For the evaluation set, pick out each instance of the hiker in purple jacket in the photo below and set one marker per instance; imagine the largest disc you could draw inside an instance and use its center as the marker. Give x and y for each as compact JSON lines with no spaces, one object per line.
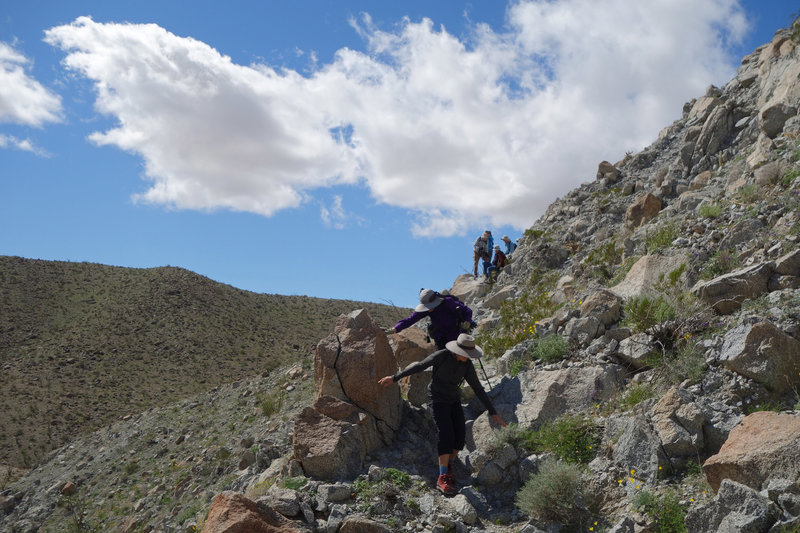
{"x":449,"y":317}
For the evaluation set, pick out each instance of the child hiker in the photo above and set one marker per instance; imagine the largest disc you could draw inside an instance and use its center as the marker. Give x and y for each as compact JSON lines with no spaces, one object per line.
{"x":450,"y":367}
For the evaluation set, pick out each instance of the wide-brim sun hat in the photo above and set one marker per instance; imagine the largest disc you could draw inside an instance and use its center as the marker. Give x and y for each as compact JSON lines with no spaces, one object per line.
{"x":465,"y":345}
{"x":428,"y":299}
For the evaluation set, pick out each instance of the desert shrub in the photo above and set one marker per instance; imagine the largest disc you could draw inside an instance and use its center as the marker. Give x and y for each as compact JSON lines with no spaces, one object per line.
{"x":270,"y":403}
{"x":710,"y":210}
{"x":789,"y":177}
{"x":748,"y":194}
{"x":666,"y":510}
{"x":661,"y":238}
{"x":604,"y":260}
{"x":635,"y":395}
{"x":549,"y":349}
{"x":687,"y":361}
{"x":573,"y":438}
{"x":552,"y":494}
{"x":721,"y":262}
{"x":643,"y":312}
{"x":518,"y":316}
{"x":294,"y":483}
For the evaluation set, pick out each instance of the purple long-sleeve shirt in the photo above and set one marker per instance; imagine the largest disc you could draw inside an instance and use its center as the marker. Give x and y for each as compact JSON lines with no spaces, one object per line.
{"x":446,"y":319}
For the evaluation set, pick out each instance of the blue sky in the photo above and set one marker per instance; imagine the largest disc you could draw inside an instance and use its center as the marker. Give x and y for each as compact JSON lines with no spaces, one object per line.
{"x":345,"y":149}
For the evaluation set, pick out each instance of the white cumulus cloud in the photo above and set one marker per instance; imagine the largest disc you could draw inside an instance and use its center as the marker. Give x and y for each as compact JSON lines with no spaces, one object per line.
{"x":461,"y":133}
{"x":23,"y":100}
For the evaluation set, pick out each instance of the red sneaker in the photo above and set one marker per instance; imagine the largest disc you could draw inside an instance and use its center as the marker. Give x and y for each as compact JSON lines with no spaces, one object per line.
{"x":446,"y":484}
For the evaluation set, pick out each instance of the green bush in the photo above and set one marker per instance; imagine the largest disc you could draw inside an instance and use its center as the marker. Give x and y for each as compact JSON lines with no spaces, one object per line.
{"x":635,"y":395}
{"x":722,"y":262}
{"x":552,"y":494}
{"x":294,"y":483}
{"x":644,"y":312}
{"x":748,"y":194}
{"x":604,"y":259}
{"x":789,"y":177}
{"x":661,"y":238}
{"x":710,"y":210}
{"x":270,"y":403}
{"x":518,"y":316}
{"x":666,"y":510}
{"x":549,"y":349}
{"x":573,"y":438}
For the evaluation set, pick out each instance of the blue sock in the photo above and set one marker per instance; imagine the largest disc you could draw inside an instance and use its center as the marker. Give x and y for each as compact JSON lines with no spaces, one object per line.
{"x":442,"y":469}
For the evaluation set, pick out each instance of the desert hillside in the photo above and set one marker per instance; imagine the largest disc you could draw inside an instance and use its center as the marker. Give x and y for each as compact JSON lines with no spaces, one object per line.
{"x":82,"y":344}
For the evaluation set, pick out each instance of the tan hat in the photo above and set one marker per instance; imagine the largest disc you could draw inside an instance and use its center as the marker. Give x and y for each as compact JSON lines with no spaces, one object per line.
{"x":505,"y":238}
{"x":465,"y":345}
{"x":428,"y":299}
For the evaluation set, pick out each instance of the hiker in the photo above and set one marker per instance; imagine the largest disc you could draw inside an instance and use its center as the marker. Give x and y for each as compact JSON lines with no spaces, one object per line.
{"x":450,"y":367}
{"x":498,"y":262}
{"x":449,"y":317}
{"x":510,"y":245}
{"x":489,"y":238}
{"x":480,"y":250}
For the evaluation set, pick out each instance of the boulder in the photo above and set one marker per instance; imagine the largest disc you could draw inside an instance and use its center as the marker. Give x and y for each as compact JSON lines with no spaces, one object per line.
{"x":736,"y":507}
{"x":232,"y":512}
{"x":789,"y":264}
{"x":607,"y":171}
{"x":603,"y":305}
{"x":763,"y":353}
{"x":467,"y":288}
{"x":583,"y":330}
{"x":762,"y":446}
{"x":773,"y":117}
{"x":716,"y":130}
{"x":743,"y":231}
{"x":644,"y":209}
{"x":494,"y":301}
{"x":636,"y":350}
{"x":326,"y":448}
{"x":646,"y":272}
{"x":636,"y":446}
{"x":359,"y":524}
{"x":350,"y":361}
{"x":703,"y":107}
{"x":412,"y":345}
{"x":679,"y":424}
{"x":535,"y":397}
{"x":727,"y":292}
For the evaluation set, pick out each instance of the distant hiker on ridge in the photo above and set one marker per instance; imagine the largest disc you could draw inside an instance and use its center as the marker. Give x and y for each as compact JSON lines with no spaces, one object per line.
{"x":451,"y":366}
{"x":449,"y":317}
{"x":480,"y":250}
{"x":510,"y":245}
{"x":498,"y":262}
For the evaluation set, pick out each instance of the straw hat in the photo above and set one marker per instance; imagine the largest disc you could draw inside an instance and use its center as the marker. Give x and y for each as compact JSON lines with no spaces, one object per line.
{"x":465,"y":345}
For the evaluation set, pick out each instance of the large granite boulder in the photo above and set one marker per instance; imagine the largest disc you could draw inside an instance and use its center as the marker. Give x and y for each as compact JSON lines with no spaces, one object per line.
{"x":763,"y":445}
{"x":644,"y":209}
{"x":352,"y":414}
{"x":232,"y":512}
{"x":736,"y":507}
{"x":350,"y":361}
{"x":763,"y":353}
{"x":727,"y":292}
{"x":679,"y":424}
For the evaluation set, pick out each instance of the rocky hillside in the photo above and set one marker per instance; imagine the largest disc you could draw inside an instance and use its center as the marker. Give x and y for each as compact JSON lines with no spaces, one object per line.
{"x":83,"y":344}
{"x":644,"y":345}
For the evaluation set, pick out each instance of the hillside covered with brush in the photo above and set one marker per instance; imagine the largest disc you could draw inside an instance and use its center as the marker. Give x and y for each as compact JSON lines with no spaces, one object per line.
{"x":82,"y":344}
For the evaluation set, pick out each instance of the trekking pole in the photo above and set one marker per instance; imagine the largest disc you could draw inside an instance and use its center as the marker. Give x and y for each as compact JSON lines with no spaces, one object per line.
{"x":485,"y":375}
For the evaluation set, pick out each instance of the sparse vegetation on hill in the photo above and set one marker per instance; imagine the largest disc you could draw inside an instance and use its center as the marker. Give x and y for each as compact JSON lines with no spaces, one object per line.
{"x":82,"y":344}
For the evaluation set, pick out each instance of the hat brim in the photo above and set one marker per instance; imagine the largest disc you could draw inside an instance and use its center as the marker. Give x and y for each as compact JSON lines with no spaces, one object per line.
{"x":473,"y":353}
{"x":421,"y":308}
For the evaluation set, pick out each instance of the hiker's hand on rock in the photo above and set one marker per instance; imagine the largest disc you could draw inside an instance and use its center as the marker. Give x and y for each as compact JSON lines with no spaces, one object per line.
{"x":499,"y":421}
{"x":386,"y":381}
